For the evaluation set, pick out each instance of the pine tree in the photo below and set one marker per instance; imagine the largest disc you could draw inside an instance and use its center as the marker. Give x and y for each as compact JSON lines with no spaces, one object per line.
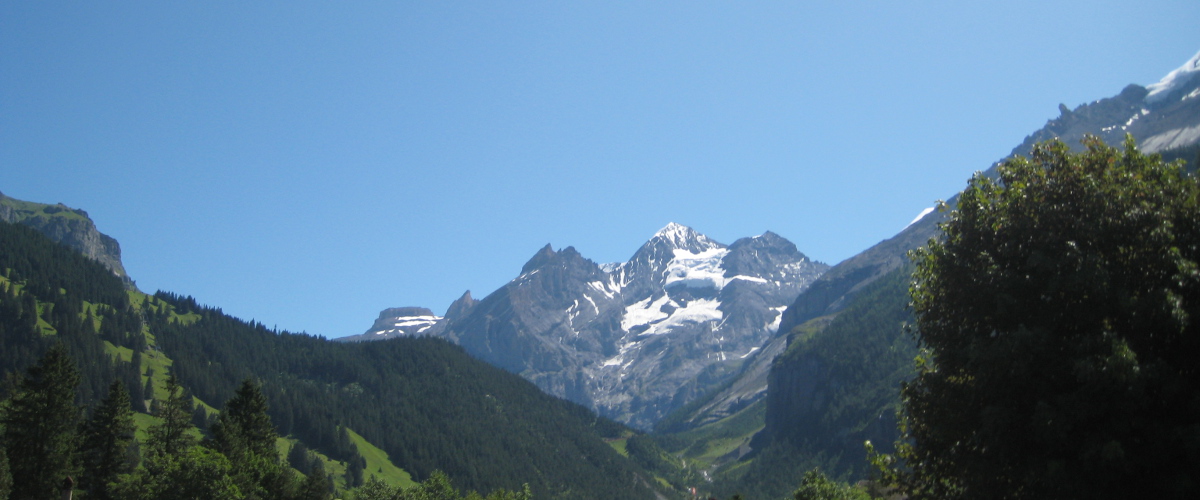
{"x":244,"y":426}
{"x":298,"y":457}
{"x":171,"y":437}
{"x":107,"y":444}
{"x":243,"y":432}
{"x":316,"y":484}
{"x":41,"y":426}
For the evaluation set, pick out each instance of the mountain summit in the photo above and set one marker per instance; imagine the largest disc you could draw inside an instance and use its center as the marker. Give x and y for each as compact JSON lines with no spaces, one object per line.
{"x":638,"y":339}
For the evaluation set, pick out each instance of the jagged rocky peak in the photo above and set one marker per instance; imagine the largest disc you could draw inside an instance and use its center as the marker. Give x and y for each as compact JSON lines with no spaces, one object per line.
{"x":761,"y":255}
{"x":681,"y":237}
{"x":461,"y":307}
{"x":565,"y":258}
{"x":539,"y":259}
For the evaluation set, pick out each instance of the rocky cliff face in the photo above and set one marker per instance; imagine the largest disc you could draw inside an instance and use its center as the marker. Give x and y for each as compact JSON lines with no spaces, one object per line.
{"x":638,"y":339}
{"x":68,"y":226}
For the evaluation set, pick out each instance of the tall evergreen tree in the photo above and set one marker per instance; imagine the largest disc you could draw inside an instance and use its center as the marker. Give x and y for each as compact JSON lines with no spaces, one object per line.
{"x":171,"y":437}
{"x":243,"y":432}
{"x":244,"y":426}
{"x":108,"y":443}
{"x":41,"y":426}
{"x":316,"y":485}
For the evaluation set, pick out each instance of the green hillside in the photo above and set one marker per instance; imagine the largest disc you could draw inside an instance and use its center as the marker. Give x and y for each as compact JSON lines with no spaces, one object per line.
{"x":415,"y":406}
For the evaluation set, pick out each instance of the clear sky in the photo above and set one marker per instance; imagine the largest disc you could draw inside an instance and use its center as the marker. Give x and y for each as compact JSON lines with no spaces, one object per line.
{"x":307,"y":164}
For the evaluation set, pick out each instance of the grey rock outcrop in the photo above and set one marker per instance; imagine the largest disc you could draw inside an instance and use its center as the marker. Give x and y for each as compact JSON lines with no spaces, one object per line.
{"x":69,"y":226}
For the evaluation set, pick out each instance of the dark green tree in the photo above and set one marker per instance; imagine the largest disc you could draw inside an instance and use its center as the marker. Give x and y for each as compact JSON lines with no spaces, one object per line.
{"x":5,"y":476}
{"x":244,"y":426}
{"x":243,"y":432}
{"x":1060,"y":317}
{"x":316,"y":485}
{"x":41,"y":424}
{"x":298,"y":457}
{"x":173,"y":436}
{"x":108,"y":443}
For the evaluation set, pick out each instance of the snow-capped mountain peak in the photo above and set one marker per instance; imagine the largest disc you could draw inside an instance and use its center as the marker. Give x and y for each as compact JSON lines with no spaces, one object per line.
{"x":682,"y":237}
{"x":1174,"y":80}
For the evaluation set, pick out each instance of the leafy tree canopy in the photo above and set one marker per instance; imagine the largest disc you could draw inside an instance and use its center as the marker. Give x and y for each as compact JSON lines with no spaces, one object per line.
{"x":1060,"y":321}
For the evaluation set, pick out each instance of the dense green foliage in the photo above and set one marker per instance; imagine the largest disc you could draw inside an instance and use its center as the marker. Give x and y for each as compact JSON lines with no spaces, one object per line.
{"x":1061,"y":321}
{"x":817,"y":486}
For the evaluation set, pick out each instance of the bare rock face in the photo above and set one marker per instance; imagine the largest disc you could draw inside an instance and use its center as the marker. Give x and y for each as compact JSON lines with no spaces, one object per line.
{"x":638,"y":339}
{"x":68,"y":226}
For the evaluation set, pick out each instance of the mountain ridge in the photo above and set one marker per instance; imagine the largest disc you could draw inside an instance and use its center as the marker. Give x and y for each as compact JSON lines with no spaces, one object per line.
{"x":635,"y":340}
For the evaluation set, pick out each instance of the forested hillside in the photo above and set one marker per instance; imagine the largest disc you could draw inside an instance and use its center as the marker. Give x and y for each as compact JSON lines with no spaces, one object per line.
{"x":424,"y":402}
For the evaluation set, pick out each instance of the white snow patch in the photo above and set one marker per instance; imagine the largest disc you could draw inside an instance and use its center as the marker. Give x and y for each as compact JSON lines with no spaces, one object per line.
{"x":922,"y":215}
{"x":752,"y":351}
{"x":1134,"y":118}
{"x":773,"y":326}
{"x":755,"y":279}
{"x":696,"y":270}
{"x":1191,"y":94}
{"x":594,"y":306}
{"x":415,"y":320}
{"x":423,"y":328}
{"x":573,"y":312}
{"x":644,"y":312}
{"x":605,"y":288}
{"x":619,"y":359}
{"x":1174,"y":80}
{"x":697,"y":311}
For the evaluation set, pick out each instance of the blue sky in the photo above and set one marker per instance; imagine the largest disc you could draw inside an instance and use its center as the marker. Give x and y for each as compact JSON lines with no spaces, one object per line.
{"x":309,"y":164}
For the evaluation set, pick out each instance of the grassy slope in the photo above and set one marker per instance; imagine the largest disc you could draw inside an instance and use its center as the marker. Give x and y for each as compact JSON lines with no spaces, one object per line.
{"x":713,"y":444}
{"x":378,"y":464}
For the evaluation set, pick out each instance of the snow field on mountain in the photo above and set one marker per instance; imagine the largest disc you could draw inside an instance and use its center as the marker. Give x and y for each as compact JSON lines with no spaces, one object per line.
{"x":696,"y":270}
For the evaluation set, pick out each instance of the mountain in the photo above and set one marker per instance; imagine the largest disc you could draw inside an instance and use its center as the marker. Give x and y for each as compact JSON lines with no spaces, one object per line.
{"x":70,"y":226}
{"x":638,"y":339}
{"x":820,"y":408}
{"x":411,"y":321}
